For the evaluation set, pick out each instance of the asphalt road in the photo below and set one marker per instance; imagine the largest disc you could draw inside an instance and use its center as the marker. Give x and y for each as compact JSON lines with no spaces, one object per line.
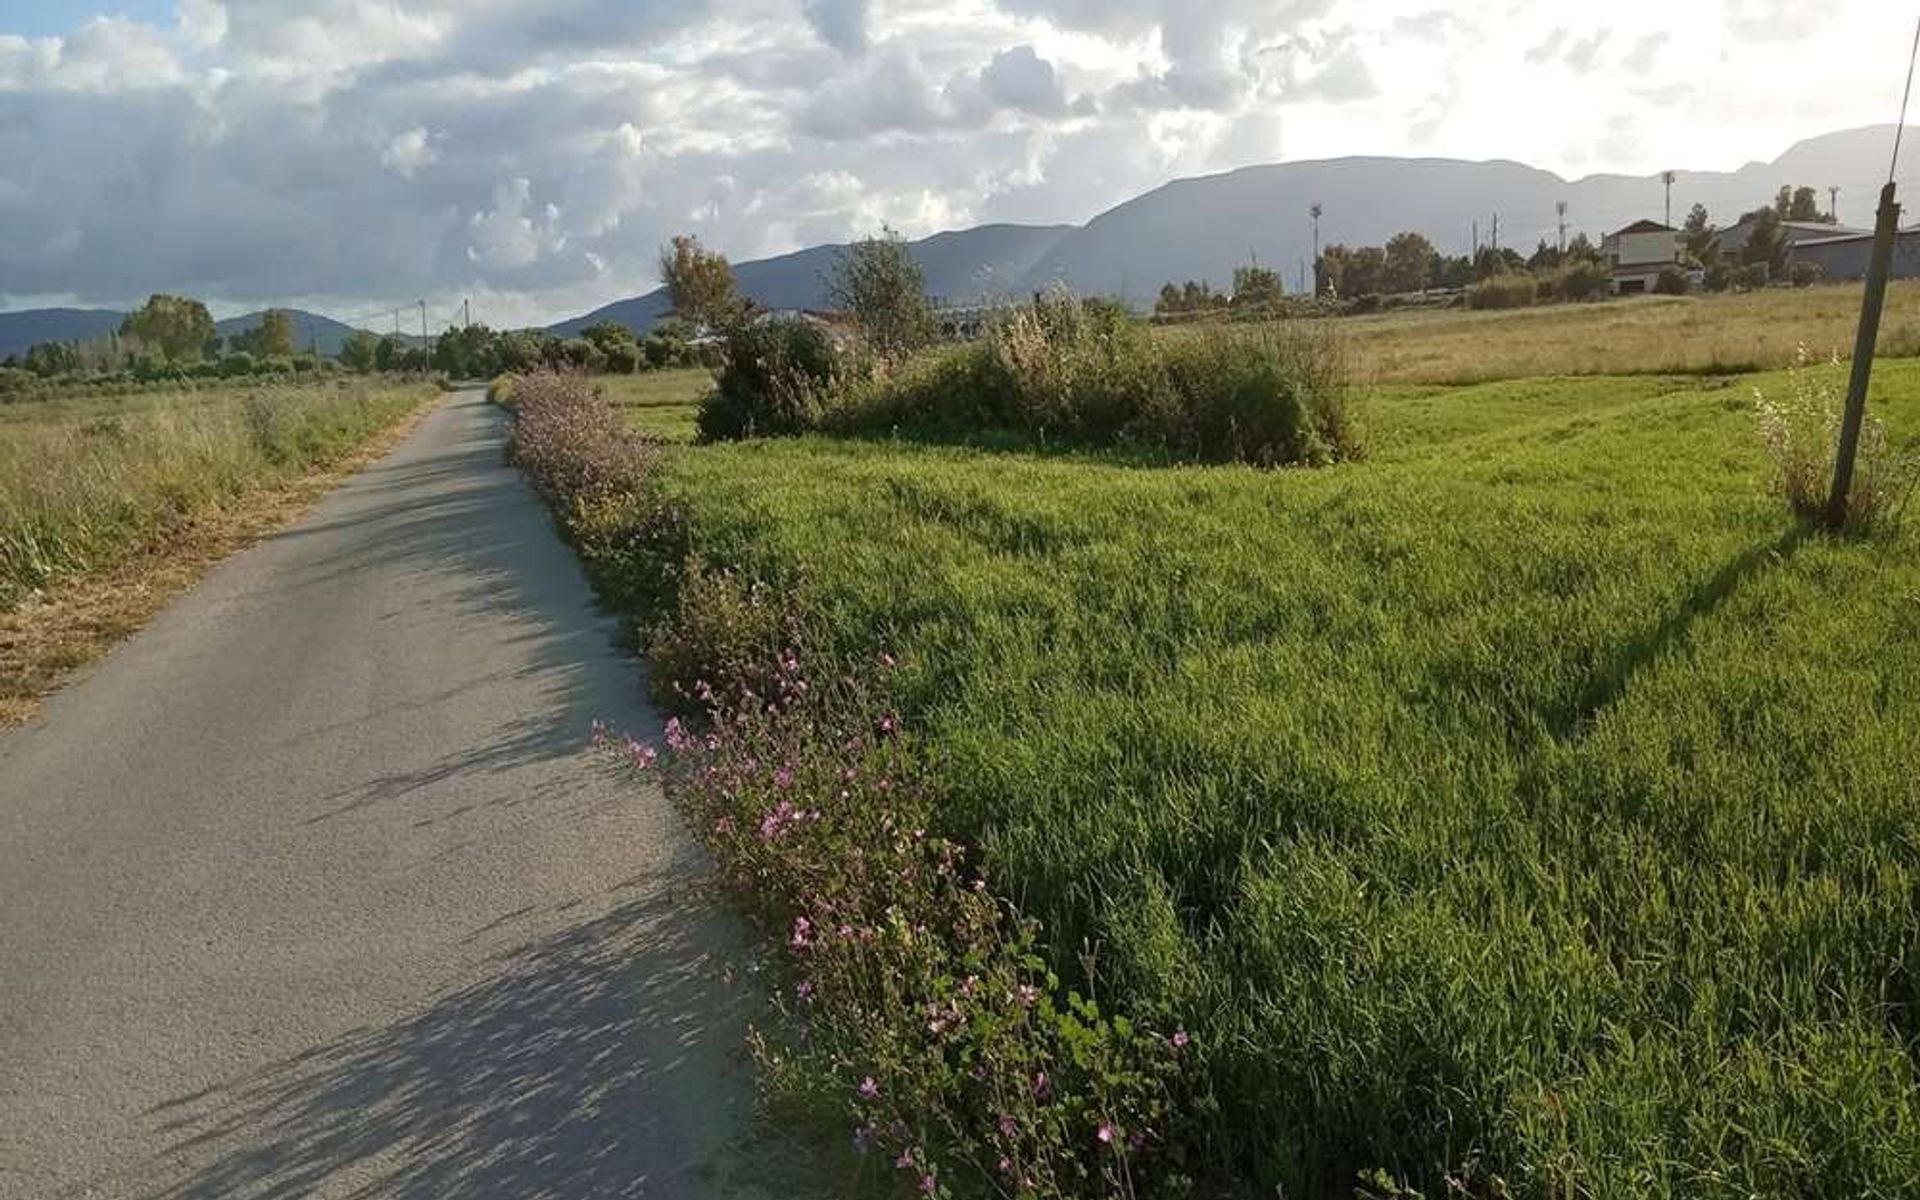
{"x":314,"y":888}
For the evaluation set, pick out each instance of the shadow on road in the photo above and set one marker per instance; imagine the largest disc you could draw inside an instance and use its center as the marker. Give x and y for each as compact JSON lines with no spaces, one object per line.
{"x":581,"y":1067}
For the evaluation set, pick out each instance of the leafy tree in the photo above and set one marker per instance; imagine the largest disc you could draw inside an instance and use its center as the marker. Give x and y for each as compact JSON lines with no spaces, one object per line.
{"x":1544,"y":257}
{"x":1767,"y":243}
{"x":878,"y":282}
{"x":360,"y":351}
{"x":179,"y":327}
{"x":274,"y":336}
{"x":1582,"y":249}
{"x":1452,"y":271}
{"x":47,"y":359}
{"x":1256,"y":287}
{"x":1409,"y":261}
{"x":1490,"y":262}
{"x":1805,"y":206}
{"x":700,"y":281}
{"x":616,"y":345}
{"x":1366,"y":272}
{"x":386,"y":354}
{"x":1330,"y":271}
{"x":1698,"y":233}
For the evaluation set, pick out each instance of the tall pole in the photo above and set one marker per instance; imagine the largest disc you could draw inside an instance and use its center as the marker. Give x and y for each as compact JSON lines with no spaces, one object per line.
{"x":1314,"y":210}
{"x":1833,"y":205}
{"x":1863,"y":345}
{"x":1560,"y":208}
{"x":423,"y":321}
{"x":1666,"y":177}
{"x":1496,"y":233}
{"x":466,"y":313}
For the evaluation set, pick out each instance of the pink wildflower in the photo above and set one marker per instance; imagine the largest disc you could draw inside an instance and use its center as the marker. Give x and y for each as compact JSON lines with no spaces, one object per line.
{"x":1180,"y":1039}
{"x":1105,"y":1133}
{"x":869,"y":1090}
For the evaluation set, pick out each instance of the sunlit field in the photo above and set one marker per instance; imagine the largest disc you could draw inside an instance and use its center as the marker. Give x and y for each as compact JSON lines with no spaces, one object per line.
{"x":1534,"y":793}
{"x":1731,"y":332}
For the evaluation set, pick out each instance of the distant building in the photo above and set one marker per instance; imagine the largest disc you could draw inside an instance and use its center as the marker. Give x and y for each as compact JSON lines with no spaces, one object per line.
{"x":1845,"y":255}
{"x":1732,"y":241}
{"x":1637,"y":254}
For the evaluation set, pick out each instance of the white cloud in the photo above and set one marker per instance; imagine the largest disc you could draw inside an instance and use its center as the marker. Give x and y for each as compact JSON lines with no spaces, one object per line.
{"x":359,"y":152}
{"x":408,"y":152}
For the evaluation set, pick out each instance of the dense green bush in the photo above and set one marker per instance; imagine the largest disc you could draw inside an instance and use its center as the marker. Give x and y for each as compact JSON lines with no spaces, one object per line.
{"x":1087,"y":374}
{"x":1513,"y":290}
{"x":1585,"y":280}
{"x":1805,"y":274}
{"x":233,"y":366}
{"x":776,"y":377}
{"x":1671,"y":281}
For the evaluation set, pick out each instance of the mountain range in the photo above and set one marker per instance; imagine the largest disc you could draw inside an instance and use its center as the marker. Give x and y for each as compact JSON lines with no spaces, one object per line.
{"x":1205,"y":227}
{"x":22,"y":330}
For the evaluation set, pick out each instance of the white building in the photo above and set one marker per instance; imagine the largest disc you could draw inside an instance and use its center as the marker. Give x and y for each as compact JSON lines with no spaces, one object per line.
{"x":1637,"y":254}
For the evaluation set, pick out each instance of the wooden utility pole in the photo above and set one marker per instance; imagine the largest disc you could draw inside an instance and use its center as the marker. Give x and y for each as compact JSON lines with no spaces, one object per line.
{"x":1833,"y":205}
{"x":1863,"y":345}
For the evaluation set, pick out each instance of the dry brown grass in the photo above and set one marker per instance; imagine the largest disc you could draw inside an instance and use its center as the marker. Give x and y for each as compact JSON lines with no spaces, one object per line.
{"x":1653,"y":335}
{"x":59,"y":630}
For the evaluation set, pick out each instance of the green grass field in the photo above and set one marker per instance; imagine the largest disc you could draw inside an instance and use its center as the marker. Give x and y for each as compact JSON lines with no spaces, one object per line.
{"x":661,"y":404}
{"x":1531,"y":794}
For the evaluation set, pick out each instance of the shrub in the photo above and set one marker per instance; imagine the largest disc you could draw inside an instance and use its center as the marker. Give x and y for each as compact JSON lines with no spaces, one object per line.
{"x":1802,"y":432}
{"x":1719,"y":277}
{"x":1586,"y":280}
{"x":1087,"y":374}
{"x":233,"y":366}
{"x":1752,"y":276}
{"x":775,"y":378}
{"x":1805,"y":274}
{"x":1671,"y":281}
{"x":1512,"y":290}
{"x":16,"y":382}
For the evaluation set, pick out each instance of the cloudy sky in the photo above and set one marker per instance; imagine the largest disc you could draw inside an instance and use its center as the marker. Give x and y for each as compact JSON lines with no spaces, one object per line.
{"x":352,"y":155}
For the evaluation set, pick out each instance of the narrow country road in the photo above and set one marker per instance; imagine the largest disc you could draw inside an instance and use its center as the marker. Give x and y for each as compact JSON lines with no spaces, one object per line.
{"x":314,"y":888}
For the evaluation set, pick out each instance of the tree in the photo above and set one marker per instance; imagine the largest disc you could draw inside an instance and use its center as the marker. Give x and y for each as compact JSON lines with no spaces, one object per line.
{"x":360,"y":351}
{"x":274,"y":338}
{"x":700,"y":281}
{"x":879,"y":284}
{"x":1767,"y":243}
{"x":1544,"y":257}
{"x":1804,"y":205}
{"x":616,"y":345}
{"x":1330,"y":271}
{"x":1699,"y":233}
{"x":1366,"y":271}
{"x":1582,"y":249}
{"x":386,"y":354}
{"x":1256,"y":287}
{"x":47,"y":359}
{"x":179,"y":327}
{"x":1409,"y":260}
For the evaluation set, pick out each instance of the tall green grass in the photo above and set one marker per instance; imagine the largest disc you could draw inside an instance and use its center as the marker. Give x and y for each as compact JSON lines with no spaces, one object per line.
{"x":1535,"y":798}
{"x":85,"y":481}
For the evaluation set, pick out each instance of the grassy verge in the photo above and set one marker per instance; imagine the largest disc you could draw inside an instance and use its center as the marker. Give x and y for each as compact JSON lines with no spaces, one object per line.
{"x":107,"y":508}
{"x":1535,"y":799}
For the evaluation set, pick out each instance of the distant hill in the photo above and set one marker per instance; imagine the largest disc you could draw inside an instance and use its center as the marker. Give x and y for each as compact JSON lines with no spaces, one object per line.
{"x":309,"y":329}
{"x":1203,"y":228}
{"x":19,"y":331}
{"x":961,"y":266}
